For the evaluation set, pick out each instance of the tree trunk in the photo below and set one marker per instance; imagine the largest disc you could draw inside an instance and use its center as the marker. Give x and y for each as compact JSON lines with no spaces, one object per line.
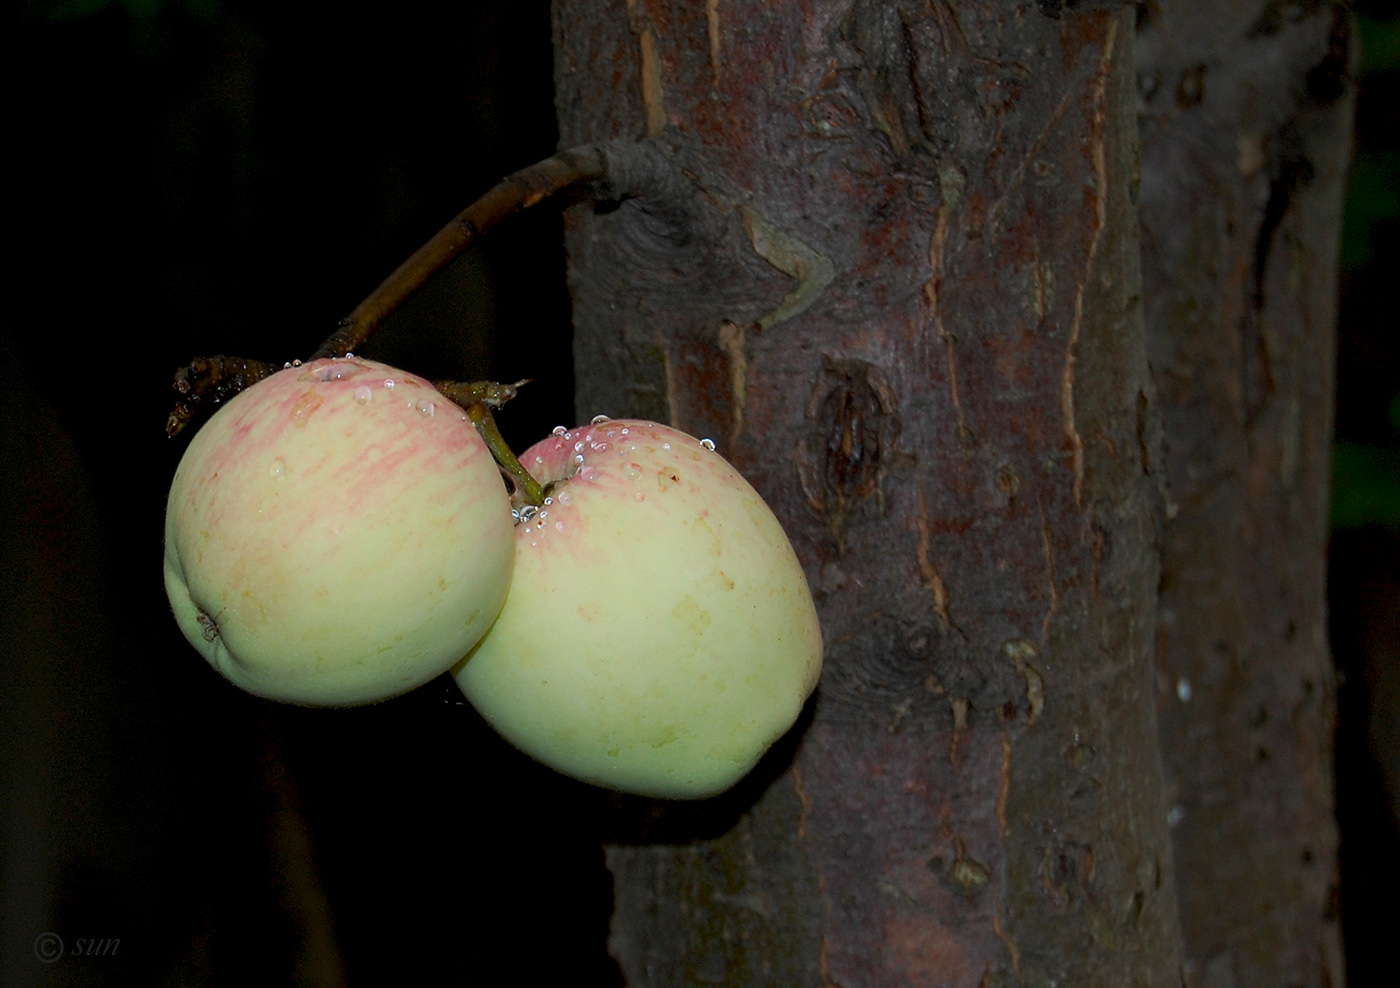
{"x":902,"y":294}
{"x":1247,"y":113}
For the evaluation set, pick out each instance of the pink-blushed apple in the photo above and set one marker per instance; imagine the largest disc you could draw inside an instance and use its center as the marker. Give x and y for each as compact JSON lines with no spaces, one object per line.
{"x":659,"y":634}
{"x":337,"y":534}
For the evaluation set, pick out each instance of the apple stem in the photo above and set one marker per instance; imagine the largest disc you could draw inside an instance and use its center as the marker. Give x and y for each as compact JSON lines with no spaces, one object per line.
{"x":527,"y":488}
{"x":566,"y":170}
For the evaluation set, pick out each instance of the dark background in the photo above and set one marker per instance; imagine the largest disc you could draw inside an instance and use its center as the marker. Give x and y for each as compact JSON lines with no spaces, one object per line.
{"x":205,"y":176}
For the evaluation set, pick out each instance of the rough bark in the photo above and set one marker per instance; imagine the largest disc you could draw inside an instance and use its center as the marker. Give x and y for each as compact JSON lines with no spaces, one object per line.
{"x":1247,"y":110}
{"x":903,"y":297}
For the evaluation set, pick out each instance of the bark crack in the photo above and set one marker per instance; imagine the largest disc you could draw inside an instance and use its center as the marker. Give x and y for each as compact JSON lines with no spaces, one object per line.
{"x":792,"y":257}
{"x":932,"y":578}
{"x":932,"y":292}
{"x":653,"y":92}
{"x":1100,"y":222}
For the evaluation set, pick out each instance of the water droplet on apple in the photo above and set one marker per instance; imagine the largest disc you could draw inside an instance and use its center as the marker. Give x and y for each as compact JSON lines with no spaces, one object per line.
{"x":565,"y":497}
{"x":599,"y":420}
{"x":296,"y":363}
{"x":578,"y":447}
{"x":349,"y":355}
{"x":625,"y":431}
{"x":426,"y":408}
{"x":612,"y":433}
{"x":363,"y":394}
{"x":558,"y":430}
{"x":389,"y":383}
{"x":558,"y":526}
{"x":287,"y":365}
{"x":549,"y":500}
{"x":278,"y":468}
{"x":633,"y":471}
{"x":579,"y":459}
{"x":539,"y":460}
{"x":640,"y":496}
{"x":708,"y":444}
{"x":665,"y":445}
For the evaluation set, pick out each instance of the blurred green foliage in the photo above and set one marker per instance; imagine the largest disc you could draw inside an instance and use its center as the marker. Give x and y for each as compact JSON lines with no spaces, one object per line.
{"x":1366,"y":454}
{"x":1365,"y":485}
{"x":1380,"y":43}
{"x":1373,"y":197}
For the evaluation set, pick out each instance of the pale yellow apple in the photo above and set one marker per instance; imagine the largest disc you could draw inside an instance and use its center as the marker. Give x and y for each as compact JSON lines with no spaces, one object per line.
{"x":659,"y":634}
{"x":337,"y":534}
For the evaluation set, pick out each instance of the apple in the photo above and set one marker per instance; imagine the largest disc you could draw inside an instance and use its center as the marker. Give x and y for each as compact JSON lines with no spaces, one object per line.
{"x":659,"y":634}
{"x":337,"y":534}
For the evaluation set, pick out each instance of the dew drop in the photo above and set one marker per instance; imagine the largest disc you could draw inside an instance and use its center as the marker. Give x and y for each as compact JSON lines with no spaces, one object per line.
{"x":363,"y":394}
{"x":558,"y":430}
{"x":612,"y":433}
{"x":287,"y":365}
{"x":558,"y":526}
{"x":708,"y":444}
{"x":389,"y":383}
{"x":579,"y":459}
{"x":278,"y":468}
{"x":598,"y":420}
{"x":565,"y":497}
{"x":426,"y":408}
{"x":665,"y":445}
{"x":549,"y":500}
{"x":640,"y":496}
{"x":625,"y":431}
{"x":578,"y":447}
{"x":296,"y":363}
{"x":539,"y":460}
{"x":349,"y":356}
{"x":633,"y":471}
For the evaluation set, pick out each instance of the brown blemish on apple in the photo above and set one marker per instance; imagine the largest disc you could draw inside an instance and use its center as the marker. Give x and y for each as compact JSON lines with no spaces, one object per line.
{"x":302,"y":410}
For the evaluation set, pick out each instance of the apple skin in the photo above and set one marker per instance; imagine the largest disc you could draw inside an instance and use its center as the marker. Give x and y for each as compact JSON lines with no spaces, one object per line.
{"x":659,"y":634}
{"x":337,"y":534}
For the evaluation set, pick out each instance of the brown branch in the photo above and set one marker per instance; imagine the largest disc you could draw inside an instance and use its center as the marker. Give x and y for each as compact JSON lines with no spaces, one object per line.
{"x":211,"y":379}
{"x":566,"y":170}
